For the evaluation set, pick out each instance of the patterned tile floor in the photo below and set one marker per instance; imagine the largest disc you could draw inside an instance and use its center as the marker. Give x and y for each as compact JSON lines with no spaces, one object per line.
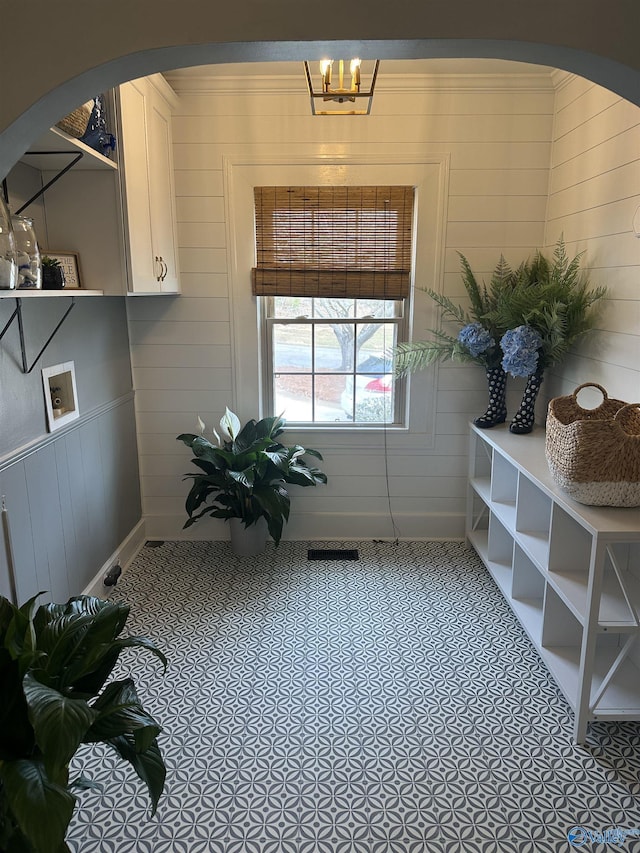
{"x":389,"y":705}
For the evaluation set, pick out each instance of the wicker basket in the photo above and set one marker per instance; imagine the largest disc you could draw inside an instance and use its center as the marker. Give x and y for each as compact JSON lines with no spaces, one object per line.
{"x":75,"y":124}
{"x":594,"y":454}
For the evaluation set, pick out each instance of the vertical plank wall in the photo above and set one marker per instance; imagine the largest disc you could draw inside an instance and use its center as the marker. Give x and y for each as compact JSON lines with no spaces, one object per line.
{"x":497,"y":131}
{"x":72,"y":501}
{"x":594,"y":199}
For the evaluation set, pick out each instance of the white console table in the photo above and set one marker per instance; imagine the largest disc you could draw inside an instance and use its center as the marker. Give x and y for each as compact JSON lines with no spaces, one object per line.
{"x":570,"y":573}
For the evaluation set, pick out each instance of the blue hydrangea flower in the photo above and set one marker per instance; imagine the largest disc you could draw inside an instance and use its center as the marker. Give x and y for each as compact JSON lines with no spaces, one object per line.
{"x":520,"y":347}
{"x":475,"y":338}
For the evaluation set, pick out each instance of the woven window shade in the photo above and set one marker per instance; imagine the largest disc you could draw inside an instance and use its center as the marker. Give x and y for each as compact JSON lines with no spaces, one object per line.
{"x":352,"y":242}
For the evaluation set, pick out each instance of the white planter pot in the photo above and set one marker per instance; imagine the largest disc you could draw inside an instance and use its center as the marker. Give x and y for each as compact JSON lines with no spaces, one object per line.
{"x":248,"y":541}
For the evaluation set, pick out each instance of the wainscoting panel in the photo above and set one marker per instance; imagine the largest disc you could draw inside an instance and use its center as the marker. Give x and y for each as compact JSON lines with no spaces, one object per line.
{"x":71,"y":500}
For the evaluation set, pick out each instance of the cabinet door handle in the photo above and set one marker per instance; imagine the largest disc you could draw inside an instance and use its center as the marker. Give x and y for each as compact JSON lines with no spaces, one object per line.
{"x":159,"y":261}
{"x":165,"y":270}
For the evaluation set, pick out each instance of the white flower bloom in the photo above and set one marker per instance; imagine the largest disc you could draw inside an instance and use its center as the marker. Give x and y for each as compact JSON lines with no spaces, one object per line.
{"x":230,"y":424}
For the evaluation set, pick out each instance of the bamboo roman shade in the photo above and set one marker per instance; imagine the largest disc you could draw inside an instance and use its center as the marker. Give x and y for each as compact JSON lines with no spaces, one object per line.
{"x":352,"y":242}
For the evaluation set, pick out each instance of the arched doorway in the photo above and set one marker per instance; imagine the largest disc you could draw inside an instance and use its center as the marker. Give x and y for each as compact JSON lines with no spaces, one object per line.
{"x":31,"y":105}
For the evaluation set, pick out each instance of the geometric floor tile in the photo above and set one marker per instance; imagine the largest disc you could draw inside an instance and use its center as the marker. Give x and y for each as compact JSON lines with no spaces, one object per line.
{"x":387,"y":705}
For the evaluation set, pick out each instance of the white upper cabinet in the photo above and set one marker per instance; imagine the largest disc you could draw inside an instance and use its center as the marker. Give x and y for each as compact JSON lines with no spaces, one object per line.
{"x":147,"y":185}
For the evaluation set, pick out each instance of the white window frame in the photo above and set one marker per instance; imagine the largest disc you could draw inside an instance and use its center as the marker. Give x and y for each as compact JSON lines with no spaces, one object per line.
{"x":430,"y":176}
{"x":267,"y":322}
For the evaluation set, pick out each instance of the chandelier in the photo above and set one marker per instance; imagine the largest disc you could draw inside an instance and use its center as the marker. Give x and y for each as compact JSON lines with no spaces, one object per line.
{"x":341,"y":94}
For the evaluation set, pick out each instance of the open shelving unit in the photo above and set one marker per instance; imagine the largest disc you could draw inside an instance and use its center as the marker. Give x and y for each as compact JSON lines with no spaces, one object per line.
{"x":52,"y":150}
{"x":570,"y":573}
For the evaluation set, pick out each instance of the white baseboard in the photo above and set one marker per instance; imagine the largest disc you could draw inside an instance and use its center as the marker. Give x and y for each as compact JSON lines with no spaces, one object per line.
{"x":123,"y":556}
{"x":320,"y":526}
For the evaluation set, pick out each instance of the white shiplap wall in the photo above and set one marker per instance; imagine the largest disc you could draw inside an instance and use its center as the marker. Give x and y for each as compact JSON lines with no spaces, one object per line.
{"x":594,"y":195}
{"x":497,"y":132}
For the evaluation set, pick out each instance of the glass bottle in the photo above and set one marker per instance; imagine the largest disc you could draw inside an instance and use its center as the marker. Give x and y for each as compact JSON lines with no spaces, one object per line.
{"x":8,"y":264}
{"x":29,"y":266}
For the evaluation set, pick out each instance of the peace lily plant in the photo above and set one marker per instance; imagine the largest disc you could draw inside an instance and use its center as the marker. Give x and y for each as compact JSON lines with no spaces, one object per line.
{"x":245,"y":475}
{"x":55,"y":661}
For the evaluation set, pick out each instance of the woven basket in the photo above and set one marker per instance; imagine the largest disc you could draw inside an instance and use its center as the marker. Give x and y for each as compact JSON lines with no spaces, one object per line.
{"x":594,"y":454}
{"x":75,"y":124}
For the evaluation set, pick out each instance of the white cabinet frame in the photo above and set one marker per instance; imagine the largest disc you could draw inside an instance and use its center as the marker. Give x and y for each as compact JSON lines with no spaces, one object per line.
{"x":570,"y":573}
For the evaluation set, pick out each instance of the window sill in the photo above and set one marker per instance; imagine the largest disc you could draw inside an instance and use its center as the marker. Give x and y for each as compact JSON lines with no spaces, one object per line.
{"x":345,"y":430}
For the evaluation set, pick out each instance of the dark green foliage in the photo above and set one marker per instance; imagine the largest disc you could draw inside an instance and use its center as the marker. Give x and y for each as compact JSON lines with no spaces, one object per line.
{"x":246,"y":476}
{"x":54,"y":662}
{"x":551,"y":296}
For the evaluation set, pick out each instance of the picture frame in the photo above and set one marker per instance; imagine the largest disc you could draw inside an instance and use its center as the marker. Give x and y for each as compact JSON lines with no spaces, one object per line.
{"x":70,"y":263}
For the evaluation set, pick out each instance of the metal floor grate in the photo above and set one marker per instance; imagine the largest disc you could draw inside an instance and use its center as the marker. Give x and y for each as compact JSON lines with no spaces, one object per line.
{"x":333,"y":554}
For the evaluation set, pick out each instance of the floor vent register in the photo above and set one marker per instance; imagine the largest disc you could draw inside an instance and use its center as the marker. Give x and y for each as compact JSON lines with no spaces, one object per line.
{"x":333,"y":554}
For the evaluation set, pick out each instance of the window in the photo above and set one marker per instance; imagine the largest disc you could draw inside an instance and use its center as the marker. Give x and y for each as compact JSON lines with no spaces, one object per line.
{"x":333,"y":273}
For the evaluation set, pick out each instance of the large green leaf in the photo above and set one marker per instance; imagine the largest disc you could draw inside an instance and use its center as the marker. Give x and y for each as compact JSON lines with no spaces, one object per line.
{"x":245,"y":478}
{"x":62,"y":625}
{"x":274,"y":505}
{"x":311,"y":452}
{"x":119,"y":711}
{"x":279,"y":458}
{"x":20,"y":636}
{"x":199,"y":493}
{"x":246,"y":437}
{"x":100,"y":664}
{"x":42,"y":809}
{"x":302,"y":475}
{"x":203,"y":449}
{"x":7,"y":611}
{"x":59,"y":723}
{"x":69,"y":660}
{"x":148,"y":765}
{"x":270,"y":427}
{"x":16,"y":735}
{"x":274,"y":500}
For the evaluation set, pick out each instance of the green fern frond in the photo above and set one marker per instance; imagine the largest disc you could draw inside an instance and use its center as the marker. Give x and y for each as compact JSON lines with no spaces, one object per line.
{"x":411,"y":357}
{"x":552,"y":296}
{"x":449,"y":308}
{"x":478,"y":303}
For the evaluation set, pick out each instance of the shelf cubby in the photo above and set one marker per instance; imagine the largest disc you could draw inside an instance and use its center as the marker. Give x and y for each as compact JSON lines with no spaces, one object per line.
{"x":620,"y":596}
{"x":570,"y":549}
{"x":481,"y":462}
{"x":504,"y":481}
{"x":569,"y":561}
{"x":527,"y":591}
{"x":533,"y":520}
{"x":499,"y":554}
{"x":561,"y":643}
{"x":478,"y":523}
{"x":620,"y":699}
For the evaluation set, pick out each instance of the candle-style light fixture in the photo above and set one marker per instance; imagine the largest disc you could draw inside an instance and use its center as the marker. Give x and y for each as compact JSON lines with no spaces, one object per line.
{"x":341,"y":94}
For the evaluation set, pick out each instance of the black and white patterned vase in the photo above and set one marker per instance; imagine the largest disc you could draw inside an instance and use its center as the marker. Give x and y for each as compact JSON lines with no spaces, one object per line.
{"x":522,"y":423}
{"x":497,"y":410}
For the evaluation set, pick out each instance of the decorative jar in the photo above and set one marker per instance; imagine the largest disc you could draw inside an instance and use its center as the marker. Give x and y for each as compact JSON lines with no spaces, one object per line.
{"x":8,"y":263}
{"x":28,"y":253}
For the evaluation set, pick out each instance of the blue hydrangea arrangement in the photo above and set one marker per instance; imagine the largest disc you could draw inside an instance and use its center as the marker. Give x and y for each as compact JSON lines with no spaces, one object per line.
{"x":476,"y":339}
{"x":521,"y":350}
{"x":536,"y":311}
